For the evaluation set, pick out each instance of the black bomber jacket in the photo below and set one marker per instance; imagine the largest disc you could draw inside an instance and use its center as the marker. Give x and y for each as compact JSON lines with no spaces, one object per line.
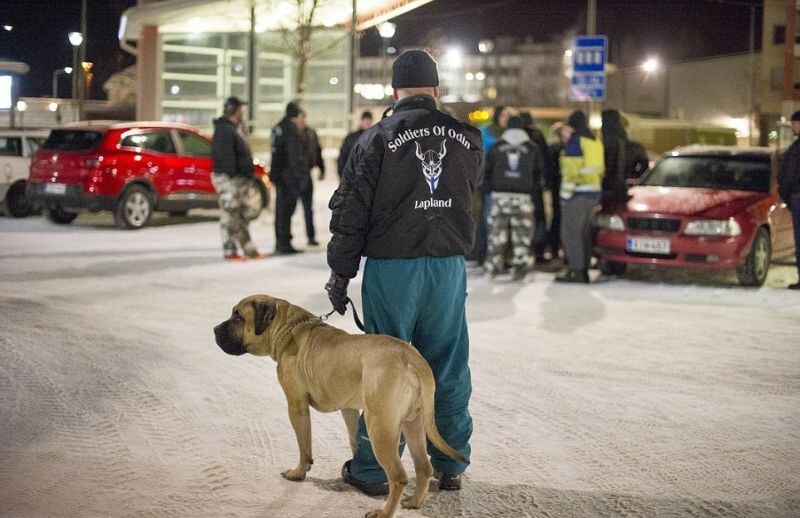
{"x":407,"y":188}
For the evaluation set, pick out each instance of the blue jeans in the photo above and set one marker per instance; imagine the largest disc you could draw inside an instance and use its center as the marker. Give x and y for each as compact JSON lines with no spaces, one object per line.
{"x":422,"y":301}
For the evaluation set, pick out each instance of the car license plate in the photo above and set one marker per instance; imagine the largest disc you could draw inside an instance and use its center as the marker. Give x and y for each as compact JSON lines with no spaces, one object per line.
{"x":55,"y":188}
{"x":647,"y":246}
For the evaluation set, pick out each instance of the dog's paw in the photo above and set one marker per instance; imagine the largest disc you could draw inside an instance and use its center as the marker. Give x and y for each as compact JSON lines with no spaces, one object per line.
{"x":294,"y":475}
{"x":410,"y":502}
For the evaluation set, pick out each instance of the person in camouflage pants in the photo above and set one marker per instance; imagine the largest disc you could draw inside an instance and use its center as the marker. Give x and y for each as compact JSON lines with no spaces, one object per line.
{"x":514,"y":210}
{"x":232,"y":178}
{"x":512,"y":177}
{"x":233,"y":220}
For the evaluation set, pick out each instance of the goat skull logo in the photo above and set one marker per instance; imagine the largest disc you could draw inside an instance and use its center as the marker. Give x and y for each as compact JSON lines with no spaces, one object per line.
{"x":431,"y":164}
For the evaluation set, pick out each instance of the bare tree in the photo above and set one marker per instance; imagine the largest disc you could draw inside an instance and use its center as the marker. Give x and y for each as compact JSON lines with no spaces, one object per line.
{"x":297,"y":36}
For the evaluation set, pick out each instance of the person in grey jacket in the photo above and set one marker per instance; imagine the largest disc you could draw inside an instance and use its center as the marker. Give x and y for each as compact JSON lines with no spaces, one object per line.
{"x":232,"y":176}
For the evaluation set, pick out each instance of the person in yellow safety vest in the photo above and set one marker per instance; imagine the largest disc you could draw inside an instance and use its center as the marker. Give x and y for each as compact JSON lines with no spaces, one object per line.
{"x":582,"y":165}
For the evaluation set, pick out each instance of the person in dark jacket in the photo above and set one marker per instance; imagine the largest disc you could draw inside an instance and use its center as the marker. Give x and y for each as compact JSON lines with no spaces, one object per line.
{"x":539,"y":238}
{"x":404,"y":203}
{"x":313,"y":152}
{"x":512,"y":179}
{"x":232,"y":176}
{"x":560,"y":133}
{"x":624,"y":159}
{"x":289,"y":173}
{"x":789,"y":188}
{"x":364,"y":123}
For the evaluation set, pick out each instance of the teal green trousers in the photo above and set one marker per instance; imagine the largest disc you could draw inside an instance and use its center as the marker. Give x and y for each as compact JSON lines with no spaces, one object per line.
{"x":422,"y":301}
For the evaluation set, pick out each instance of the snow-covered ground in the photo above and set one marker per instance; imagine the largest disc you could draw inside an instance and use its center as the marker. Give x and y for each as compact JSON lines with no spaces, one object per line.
{"x":648,"y":396}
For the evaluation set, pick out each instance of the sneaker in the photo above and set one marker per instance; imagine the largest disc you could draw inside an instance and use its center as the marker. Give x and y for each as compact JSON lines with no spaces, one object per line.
{"x":795,"y":286}
{"x":448,"y":482}
{"x":256,"y":255}
{"x":368,"y":488}
{"x":234,"y":257}
{"x":313,"y":242}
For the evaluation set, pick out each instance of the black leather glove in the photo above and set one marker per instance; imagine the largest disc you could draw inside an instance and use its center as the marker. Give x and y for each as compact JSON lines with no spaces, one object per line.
{"x":337,"y":292}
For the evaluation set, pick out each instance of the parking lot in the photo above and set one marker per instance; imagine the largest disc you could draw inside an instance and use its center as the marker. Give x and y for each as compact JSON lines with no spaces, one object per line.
{"x":662,"y":394}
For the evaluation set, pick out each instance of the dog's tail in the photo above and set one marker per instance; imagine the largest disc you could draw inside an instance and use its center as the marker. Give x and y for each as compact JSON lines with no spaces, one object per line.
{"x":428,"y":389}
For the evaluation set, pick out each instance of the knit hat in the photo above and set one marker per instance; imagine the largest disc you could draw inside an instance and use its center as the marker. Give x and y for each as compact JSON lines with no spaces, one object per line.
{"x":366,"y":115}
{"x":292,"y":110}
{"x":414,"y":69}
{"x":795,"y":116}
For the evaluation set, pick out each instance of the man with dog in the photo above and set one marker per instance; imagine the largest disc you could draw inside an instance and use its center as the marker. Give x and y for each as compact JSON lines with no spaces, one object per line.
{"x":404,"y":203}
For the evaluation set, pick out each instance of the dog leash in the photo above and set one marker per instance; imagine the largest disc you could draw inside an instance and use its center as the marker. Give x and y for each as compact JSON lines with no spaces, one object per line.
{"x":357,"y":319}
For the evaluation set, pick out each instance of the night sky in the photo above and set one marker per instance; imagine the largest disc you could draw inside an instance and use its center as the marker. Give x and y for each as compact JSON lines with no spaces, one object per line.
{"x":674,"y":30}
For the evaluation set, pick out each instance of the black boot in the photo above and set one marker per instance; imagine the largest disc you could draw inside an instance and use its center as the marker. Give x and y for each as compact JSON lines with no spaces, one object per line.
{"x":580,"y":276}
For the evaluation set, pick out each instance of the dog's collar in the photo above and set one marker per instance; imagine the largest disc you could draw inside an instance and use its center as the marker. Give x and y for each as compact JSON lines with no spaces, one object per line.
{"x":294,"y":326}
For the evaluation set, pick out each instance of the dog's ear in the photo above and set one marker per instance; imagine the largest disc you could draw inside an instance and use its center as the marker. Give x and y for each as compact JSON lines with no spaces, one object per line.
{"x":264,"y":313}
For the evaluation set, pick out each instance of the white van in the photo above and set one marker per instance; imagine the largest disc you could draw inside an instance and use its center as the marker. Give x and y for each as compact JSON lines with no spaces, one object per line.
{"x":16,"y":148}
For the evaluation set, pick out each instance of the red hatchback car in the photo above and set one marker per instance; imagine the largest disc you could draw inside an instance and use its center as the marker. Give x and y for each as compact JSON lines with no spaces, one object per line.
{"x":701,"y":207}
{"x":131,"y":169}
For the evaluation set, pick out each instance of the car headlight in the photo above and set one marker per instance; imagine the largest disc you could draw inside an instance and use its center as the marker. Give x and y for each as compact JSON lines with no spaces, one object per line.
{"x":609,"y":221}
{"x":713,"y":227}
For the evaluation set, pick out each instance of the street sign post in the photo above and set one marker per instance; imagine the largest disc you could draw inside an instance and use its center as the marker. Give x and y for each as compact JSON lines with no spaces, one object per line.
{"x":589,"y":69}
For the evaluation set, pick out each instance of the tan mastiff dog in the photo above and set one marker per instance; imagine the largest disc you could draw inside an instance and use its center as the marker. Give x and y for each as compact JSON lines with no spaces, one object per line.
{"x":328,"y":369}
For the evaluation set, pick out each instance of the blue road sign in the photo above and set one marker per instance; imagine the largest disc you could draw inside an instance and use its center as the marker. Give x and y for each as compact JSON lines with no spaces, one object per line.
{"x":589,"y":68}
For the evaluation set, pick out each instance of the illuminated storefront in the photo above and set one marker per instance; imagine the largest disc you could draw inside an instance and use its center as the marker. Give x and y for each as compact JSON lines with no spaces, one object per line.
{"x":192,"y":54}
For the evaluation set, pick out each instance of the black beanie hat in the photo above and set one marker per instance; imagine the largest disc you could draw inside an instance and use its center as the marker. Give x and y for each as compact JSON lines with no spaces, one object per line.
{"x":414,"y":69}
{"x":366,"y":115}
{"x":577,"y":120}
{"x":795,"y":116}
{"x":292,"y":110}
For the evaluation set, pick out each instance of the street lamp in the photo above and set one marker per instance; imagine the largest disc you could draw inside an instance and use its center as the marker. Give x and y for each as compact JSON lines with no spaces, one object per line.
{"x":386,"y":30}
{"x":75,"y":39}
{"x":651,"y":65}
{"x":56,"y":73}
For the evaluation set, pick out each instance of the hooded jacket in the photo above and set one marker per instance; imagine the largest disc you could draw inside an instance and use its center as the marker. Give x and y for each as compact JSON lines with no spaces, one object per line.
{"x":230,"y":153}
{"x":407,"y":188}
{"x":513,"y":164}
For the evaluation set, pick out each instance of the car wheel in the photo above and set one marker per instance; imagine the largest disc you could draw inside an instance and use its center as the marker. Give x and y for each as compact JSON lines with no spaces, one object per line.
{"x":16,"y":201}
{"x":58,"y":215}
{"x":255,"y":201}
{"x":612,"y":268}
{"x":134,"y":208}
{"x":754,"y":271}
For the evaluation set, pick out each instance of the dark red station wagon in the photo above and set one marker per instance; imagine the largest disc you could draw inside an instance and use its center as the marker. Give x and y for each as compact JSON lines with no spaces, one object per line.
{"x":131,"y":169}
{"x":701,"y":207}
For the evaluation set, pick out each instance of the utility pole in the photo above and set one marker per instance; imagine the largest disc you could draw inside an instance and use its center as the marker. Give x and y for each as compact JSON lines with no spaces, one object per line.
{"x":591,"y":29}
{"x":751,"y":104}
{"x":352,"y":72}
{"x":251,"y":68}
{"x":80,"y":71}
